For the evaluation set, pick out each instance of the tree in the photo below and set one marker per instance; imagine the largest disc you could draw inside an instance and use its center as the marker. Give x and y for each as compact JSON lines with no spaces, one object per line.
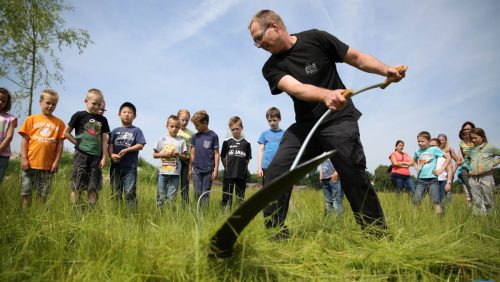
{"x":382,"y":179}
{"x":30,"y":30}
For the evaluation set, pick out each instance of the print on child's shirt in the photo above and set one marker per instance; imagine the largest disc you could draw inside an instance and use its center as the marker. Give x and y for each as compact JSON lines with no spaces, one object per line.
{"x":170,"y":163}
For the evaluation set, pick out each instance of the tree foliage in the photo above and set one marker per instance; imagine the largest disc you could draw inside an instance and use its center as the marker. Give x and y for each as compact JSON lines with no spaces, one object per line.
{"x":30,"y":33}
{"x":382,"y":179}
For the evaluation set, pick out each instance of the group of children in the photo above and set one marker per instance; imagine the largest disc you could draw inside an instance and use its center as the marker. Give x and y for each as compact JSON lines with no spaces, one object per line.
{"x":184,"y":155}
{"x":435,"y":173}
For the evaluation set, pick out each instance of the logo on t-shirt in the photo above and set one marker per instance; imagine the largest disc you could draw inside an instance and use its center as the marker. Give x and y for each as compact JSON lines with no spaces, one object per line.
{"x":311,"y":68}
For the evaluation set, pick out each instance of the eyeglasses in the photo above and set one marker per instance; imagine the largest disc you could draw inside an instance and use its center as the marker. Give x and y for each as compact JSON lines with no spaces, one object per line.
{"x":258,"y":40}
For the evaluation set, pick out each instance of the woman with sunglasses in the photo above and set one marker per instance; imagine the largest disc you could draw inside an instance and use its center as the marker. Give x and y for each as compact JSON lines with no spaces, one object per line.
{"x":465,"y":146}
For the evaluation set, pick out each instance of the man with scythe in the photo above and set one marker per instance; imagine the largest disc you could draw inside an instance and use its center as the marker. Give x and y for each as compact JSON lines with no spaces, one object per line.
{"x":303,"y":66}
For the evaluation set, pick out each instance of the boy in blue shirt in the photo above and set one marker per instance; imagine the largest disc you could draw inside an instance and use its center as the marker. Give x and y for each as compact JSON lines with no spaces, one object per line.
{"x":124,"y":146}
{"x":269,"y":141}
{"x":427,"y":173}
{"x":204,"y":162}
{"x":331,"y":187}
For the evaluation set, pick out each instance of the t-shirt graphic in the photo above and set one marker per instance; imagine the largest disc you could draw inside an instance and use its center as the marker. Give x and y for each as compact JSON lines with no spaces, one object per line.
{"x":90,"y":138}
{"x":126,"y":137}
{"x":169,"y":164}
{"x":89,"y":129}
{"x":426,"y":160}
{"x":170,"y":145}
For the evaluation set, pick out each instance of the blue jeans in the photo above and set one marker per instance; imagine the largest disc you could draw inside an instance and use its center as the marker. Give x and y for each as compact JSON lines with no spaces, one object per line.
{"x":123,"y":180}
{"x":202,"y":183}
{"x":430,"y":185}
{"x":4,"y":163}
{"x":333,"y":196}
{"x":399,"y":181}
{"x":167,"y":188}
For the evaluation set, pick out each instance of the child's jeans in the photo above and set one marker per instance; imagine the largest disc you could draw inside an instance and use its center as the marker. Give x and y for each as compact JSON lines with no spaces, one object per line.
{"x":202,"y":185}
{"x":123,"y":180}
{"x":333,"y":196}
{"x":4,"y":163}
{"x":167,"y":188}
{"x":430,"y":185}
{"x":482,"y":194}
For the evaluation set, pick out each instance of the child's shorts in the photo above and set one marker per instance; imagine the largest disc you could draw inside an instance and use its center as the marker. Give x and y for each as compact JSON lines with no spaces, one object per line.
{"x":86,"y":174}
{"x":35,"y":179}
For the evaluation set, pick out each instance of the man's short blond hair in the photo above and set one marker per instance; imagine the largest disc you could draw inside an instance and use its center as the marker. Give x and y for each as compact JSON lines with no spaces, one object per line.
{"x":265,"y":17}
{"x":48,"y":92}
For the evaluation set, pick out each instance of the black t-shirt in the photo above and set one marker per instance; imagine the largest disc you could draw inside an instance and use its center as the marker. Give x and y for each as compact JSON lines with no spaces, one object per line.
{"x":89,"y":129}
{"x":311,"y":60}
{"x":236,"y":153}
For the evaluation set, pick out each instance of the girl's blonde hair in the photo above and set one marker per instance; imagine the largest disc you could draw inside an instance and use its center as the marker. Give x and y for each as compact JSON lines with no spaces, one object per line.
{"x":183,"y":111}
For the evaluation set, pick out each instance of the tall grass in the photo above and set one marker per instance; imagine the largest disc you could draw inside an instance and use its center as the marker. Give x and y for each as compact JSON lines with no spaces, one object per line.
{"x":55,"y":241}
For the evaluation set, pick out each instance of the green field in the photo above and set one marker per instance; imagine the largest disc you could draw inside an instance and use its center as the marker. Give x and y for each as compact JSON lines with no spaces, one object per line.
{"x":55,"y":241}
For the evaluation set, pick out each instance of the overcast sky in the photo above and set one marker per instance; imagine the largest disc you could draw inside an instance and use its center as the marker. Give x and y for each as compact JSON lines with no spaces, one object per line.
{"x":167,"y":55}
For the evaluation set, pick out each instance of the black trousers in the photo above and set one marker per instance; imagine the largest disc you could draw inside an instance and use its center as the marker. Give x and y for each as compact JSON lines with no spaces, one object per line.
{"x":233,"y":184}
{"x":349,"y":161}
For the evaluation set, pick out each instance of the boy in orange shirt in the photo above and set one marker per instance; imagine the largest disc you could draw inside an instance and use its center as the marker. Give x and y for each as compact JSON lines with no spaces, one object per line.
{"x":41,"y":148}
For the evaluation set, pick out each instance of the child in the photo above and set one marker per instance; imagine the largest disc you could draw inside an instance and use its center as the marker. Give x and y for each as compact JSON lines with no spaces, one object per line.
{"x":269,"y":141}
{"x":445,"y":178}
{"x":187,"y":135}
{"x":171,"y":149}
{"x":482,"y":162}
{"x":125,"y":143}
{"x":235,"y":154}
{"x":8,"y":123}
{"x":331,"y":187}
{"x":102,"y":109}
{"x":90,"y":142}
{"x":41,"y":148}
{"x":204,"y":163}
{"x":425,"y":164}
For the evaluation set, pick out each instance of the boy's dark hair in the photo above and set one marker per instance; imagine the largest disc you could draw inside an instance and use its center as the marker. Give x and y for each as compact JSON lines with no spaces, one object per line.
{"x":128,"y":105}
{"x":172,"y":117}
{"x":437,"y":141}
{"x":424,"y":134}
{"x":200,"y":116}
{"x":6,"y":92}
{"x":479,"y":132}
{"x":273,"y":113}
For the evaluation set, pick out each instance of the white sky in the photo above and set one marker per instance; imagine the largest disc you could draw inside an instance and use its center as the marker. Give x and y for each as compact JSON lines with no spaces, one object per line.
{"x":167,"y":55}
